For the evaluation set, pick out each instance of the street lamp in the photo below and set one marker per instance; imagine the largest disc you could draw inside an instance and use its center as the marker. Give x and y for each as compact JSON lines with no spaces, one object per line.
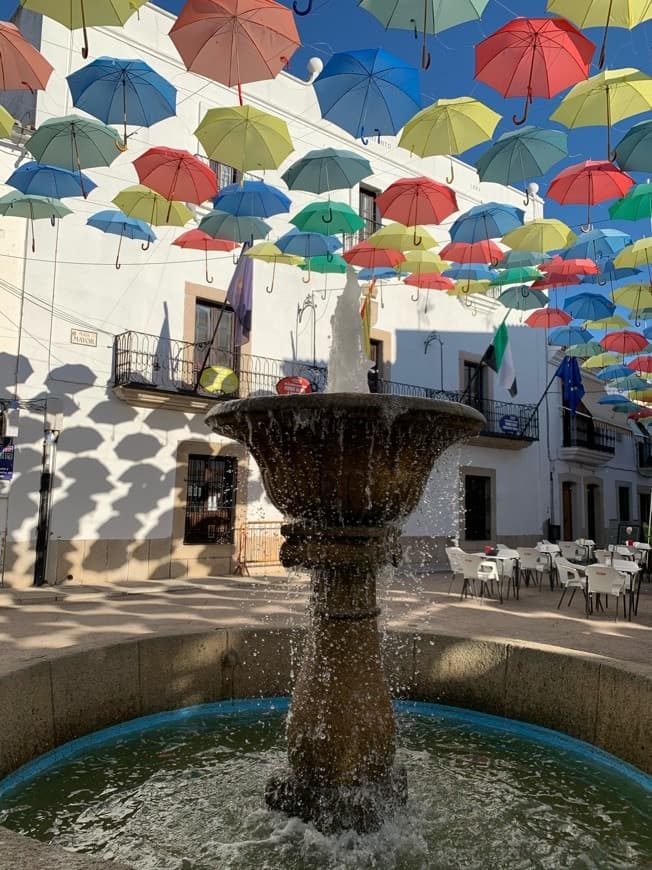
{"x":434,"y":336}
{"x":52,"y":425}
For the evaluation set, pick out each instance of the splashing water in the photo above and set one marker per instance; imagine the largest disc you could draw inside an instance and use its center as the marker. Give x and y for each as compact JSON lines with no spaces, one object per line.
{"x":347,"y":363}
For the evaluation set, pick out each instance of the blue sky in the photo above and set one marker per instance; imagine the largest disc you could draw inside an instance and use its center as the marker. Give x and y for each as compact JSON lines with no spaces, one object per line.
{"x":339,"y":25}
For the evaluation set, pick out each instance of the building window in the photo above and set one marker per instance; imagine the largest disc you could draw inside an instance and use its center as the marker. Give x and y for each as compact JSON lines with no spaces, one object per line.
{"x":225,"y":174}
{"x":474,"y":385}
{"x":209,"y":317}
{"x":375,"y":375}
{"x":624,"y":504}
{"x":477,"y":507}
{"x":210,"y":500}
{"x":368,"y":211}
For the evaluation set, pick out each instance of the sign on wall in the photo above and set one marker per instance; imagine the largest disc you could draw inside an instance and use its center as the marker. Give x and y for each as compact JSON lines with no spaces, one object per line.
{"x":83,"y":336}
{"x":6,"y":458}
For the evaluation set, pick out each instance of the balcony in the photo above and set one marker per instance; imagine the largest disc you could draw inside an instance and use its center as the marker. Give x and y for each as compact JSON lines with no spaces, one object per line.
{"x":154,"y":372}
{"x":586,"y":441}
{"x":644,"y":455}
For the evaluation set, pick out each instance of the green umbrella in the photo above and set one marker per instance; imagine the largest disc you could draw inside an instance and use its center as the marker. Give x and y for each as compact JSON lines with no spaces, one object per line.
{"x":521,"y":154}
{"x":328,"y":218}
{"x":516,"y":275}
{"x":32,"y":207}
{"x":523,"y":298}
{"x":518,"y":259}
{"x":74,"y":143}
{"x":635,"y":205}
{"x":327,"y":169}
{"x":584,"y":350}
{"x":334,"y":263}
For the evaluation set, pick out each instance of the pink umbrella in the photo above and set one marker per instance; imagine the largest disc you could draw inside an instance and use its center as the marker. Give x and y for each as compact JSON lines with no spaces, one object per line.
{"x":545,"y":318}
{"x":198,"y":240}
{"x":21,"y":65}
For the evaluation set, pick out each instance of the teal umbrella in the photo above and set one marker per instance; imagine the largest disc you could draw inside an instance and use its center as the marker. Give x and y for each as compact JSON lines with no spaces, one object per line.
{"x":74,"y":143}
{"x":518,"y":259}
{"x":32,"y":207}
{"x":328,"y":218}
{"x":522,"y":154}
{"x":234,"y":228}
{"x":635,"y":205}
{"x":584,"y":350}
{"x":516,"y":275}
{"x":523,"y":298}
{"x":633,"y":382}
{"x":325,"y":264}
{"x":634,"y":151}
{"x":327,"y":169}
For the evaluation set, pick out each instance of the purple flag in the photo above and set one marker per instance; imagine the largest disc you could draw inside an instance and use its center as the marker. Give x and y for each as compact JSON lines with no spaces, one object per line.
{"x":240,"y":296}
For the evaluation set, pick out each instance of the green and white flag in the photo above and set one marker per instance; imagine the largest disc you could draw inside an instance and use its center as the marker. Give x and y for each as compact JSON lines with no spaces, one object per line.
{"x":498,"y":357}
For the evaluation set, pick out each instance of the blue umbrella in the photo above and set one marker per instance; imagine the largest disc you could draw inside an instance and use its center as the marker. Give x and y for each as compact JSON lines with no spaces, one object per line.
{"x":122,"y":91}
{"x":520,"y":154}
{"x":234,"y":228}
{"x":377,"y":274}
{"x":523,"y":259}
{"x":634,"y":151}
{"x":471,"y":272}
{"x":119,"y":224}
{"x":613,"y":399}
{"x":632,"y":382}
{"x":565,"y":336}
{"x":489,"y":221}
{"x":597,"y":245}
{"x":613,"y":372}
{"x":589,"y":306}
{"x":308,"y":244}
{"x":39,"y":179}
{"x":368,"y":91}
{"x":609,"y":274}
{"x":252,"y":199}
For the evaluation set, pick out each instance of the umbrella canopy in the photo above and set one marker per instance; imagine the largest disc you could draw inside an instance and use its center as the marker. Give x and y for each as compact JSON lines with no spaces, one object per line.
{"x":631,"y":382}
{"x":635,"y":205}
{"x":588,"y":183}
{"x":634,"y":151}
{"x":625,"y":341}
{"x":402,"y":238}
{"x":569,"y":266}
{"x":584,"y":349}
{"x":307,"y":244}
{"x":43,"y":180}
{"x":370,"y":257}
{"x":119,"y":224}
{"x":533,"y":57}
{"x":489,"y":221}
{"x":521,"y":154}
{"x":271,"y":253}
{"x":636,"y":297}
{"x":614,"y":372}
{"x":235,"y":41}
{"x":76,"y":14}
{"x":523,"y":258}
{"x":588,"y":306}
{"x":198,"y":240}
{"x":523,"y":298}
{"x":548,"y":317}
{"x":516,"y":275}
{"x":413,"y":201}
{"x":633,"y":256}
{"x":244,"y":137}
{"x":17,"y":204}
{"x":422,"y":261}
{"x":6,"y":123}
{"x":122,"y":92}
{"x":176,"y":174}
{"x":430,"y":281}
{"x":252,"y":198}
{"x":597,"y":244}
{"x":21,"y":65}
{"x":476,"y":252}
{"x":469,"y":288}
{"x":471,"y":272}
{"x":600,"y":360}
{"x":329,"y":264}
{"x":613,"y":321}
{"x":235,"y":228}
{"x":613,"y":399}
{"x":327,"y":169}
{"x":566,"y":336}
{"x":368,"y":92}
{"x":328,"y":218}
{"x":641,"y":364}
{"x":379,"y":274}
{"x":541,"y":234}
{"x":605,"y":99}
{"x":141,"y":202}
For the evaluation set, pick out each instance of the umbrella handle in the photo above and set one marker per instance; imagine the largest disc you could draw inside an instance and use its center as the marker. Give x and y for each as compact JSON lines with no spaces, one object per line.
{"x":302,"y":11}
{"x":416,"y":298}
{"x":451,"y":179}
{"x":209,"y":279}
{"x":364,"y":140}
{"x":425,"y":55}
{"x":84,"y":51}
{"x":120,"y":146}
{"x":526,"y":201}
{"x":145,"y":247}
{"x":425,"y":305}
{"x":270,"y":287}
{"x":117,"y":256}
{"x":413,"y":22}
{"x":53,"y":220}
{"x":329,"y":219}
{"x":308,"y":278}
{"x":602,"y":282}
{"x":518,"y":121}
{"x":416,"y":239}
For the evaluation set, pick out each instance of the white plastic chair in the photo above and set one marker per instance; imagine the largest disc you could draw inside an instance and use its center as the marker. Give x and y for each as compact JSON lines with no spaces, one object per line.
{"x":488,"y":573}
{"x":605,"y":580}
{"x":570,"y":577}
{"x":534,"y":564}
{"x":454,"y":554}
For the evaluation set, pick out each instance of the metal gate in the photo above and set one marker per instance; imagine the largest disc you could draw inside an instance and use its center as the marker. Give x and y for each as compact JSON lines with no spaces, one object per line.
{"x":259,"y":543}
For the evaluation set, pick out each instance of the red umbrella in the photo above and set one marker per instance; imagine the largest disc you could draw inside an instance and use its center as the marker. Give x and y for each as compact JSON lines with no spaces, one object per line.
{"x":552,"y":281}
{"x":176,"y":174}
{"x":640,"y":415}
{"x":366,"y":255}
{"x":21,"y":65}
{"x":533,"y":57}
{"x":430,"y":281}
{"x":624,"y":341}
{"x":235,"y":41}
{"x":198,"y":240}
{"x":558,"y":266}
{"x":413,"y":201}
{"x":548,"y":317}
{"x":588,"y":183}
{"x":641,"y":364}
{"x":484,"y":251}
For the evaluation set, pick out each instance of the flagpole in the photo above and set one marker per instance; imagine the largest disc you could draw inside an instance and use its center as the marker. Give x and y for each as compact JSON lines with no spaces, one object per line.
{"x":537,"y":406}
{"x":476,"y":373}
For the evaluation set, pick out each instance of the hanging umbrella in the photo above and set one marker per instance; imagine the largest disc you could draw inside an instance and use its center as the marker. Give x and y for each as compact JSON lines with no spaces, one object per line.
{"x":566,"y":336}
{"x":430,"y":281}
{"x":569,"y":267}
{"x":328,"y":218}
{"x":412,"y":201}
{"x":588,"y":183}
{"x":327,"y":169}
{"x":449,"y":127}
{"x":522,"y":154}
{"x":641,"y":414}
{"x":119,"y":224}
{"x":235,"y":228}
{"x":437,"y":15}
{"x":613,"y":399}
{"x":469,"y":288}
{"x":641,"y":364}
{"x":523,"y":298}
{"x":609,"y":274}
{"x":542,"y":234}
{"x":378,"y":274}
{"x":123,"y":92}
{"x":605,"y":99}
{"x":489,"y":221}
{"x":253,"y":199}
{"x":597,"y":244}
{"x":614,"y":372}
{"x":635,"y":205}
{"x":76,"y":14}
{"x":625,"y":341}
{"x":533,"y":57}
{"x":553,"y":282}
{"x":471,"y":272}
{"x":235,"y":41}
{"x":74,"y":143}
{"x":597,"y":13}
{"x":368,"y":92}
{"x":43,"y":180}
{"x":635,"y":255}
{"x":271,"y":253}
{"x":600,"y":360}
{"x":402,"y":238}
{"x":548,"y":317}
{"x":176,"y":174}
{"x":636,"y":297}
{"x":366,"y":255}
{"x":632,"y":383}
{"x":144,"y":204}
{"x":588,"y":306}
{"x":331,"y":263}
{"x":634,"y":151}
{"x":476,"y":252}
{"x":244,"y":137}
{"x":513,"y":259}
{"x":584,"y":349}
{"x":21,"y":65}
{"x":17,"y":204}
{"x":516,"y":275}
{"x":6,"y":123}
{"x":613,"y":321}
{"x":198,"y":240}
{"x":308,"y":245}
{"x":422,"y":261}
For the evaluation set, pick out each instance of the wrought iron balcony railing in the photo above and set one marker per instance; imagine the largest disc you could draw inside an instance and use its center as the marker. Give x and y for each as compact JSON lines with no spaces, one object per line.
{"x":583,"y":431}
{"x":645,"y":455}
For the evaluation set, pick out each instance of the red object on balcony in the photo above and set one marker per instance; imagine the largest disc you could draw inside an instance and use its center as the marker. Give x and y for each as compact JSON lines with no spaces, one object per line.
{"x":292,"y":385}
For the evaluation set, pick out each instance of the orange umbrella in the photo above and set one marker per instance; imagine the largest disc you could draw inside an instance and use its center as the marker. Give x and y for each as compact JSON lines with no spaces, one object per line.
{"x":176,"y":174}
{"x":624,"y":341}
{"x":369,"y":257}
{"x":235,"y":41}
{"x":21,"y":65}
{"x":548,"y":317}
{"x":198,"y":240}
{"x":641,"y":364}
{"x":484,"y":251}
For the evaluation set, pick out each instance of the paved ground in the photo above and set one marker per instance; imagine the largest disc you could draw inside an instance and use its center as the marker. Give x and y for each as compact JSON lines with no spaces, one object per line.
{"x":35,"y":621}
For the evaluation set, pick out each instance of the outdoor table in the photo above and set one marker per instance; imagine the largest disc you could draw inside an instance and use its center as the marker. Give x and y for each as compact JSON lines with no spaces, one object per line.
{"x":550,"y":551}
{"x":515,"y":575}
{"x":633,"y":573}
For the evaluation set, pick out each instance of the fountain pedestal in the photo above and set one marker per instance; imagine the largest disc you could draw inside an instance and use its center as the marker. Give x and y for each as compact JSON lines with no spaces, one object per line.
{"x":346,"y":470}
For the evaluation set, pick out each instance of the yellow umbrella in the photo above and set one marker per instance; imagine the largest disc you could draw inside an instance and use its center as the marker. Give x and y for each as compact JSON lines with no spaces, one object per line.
{"x":638,"y":254}
{"x":613,"y":322}
{"x":636,"y":297}
{"x":449,"y":127}
{"x":419,"y":262}
{"x":604,"y":99}
{"x":469,"y":288}
{"x":6,"y":123}
{"x":643,"y":395}
{"x":398,"y":237}
{"x":245,"y":138}
{"x":601,"y":360}
{"x":270,"y":253}
{"x":146,"y":205}
{"x":598,"y":13}
{"x":543,"y":234}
